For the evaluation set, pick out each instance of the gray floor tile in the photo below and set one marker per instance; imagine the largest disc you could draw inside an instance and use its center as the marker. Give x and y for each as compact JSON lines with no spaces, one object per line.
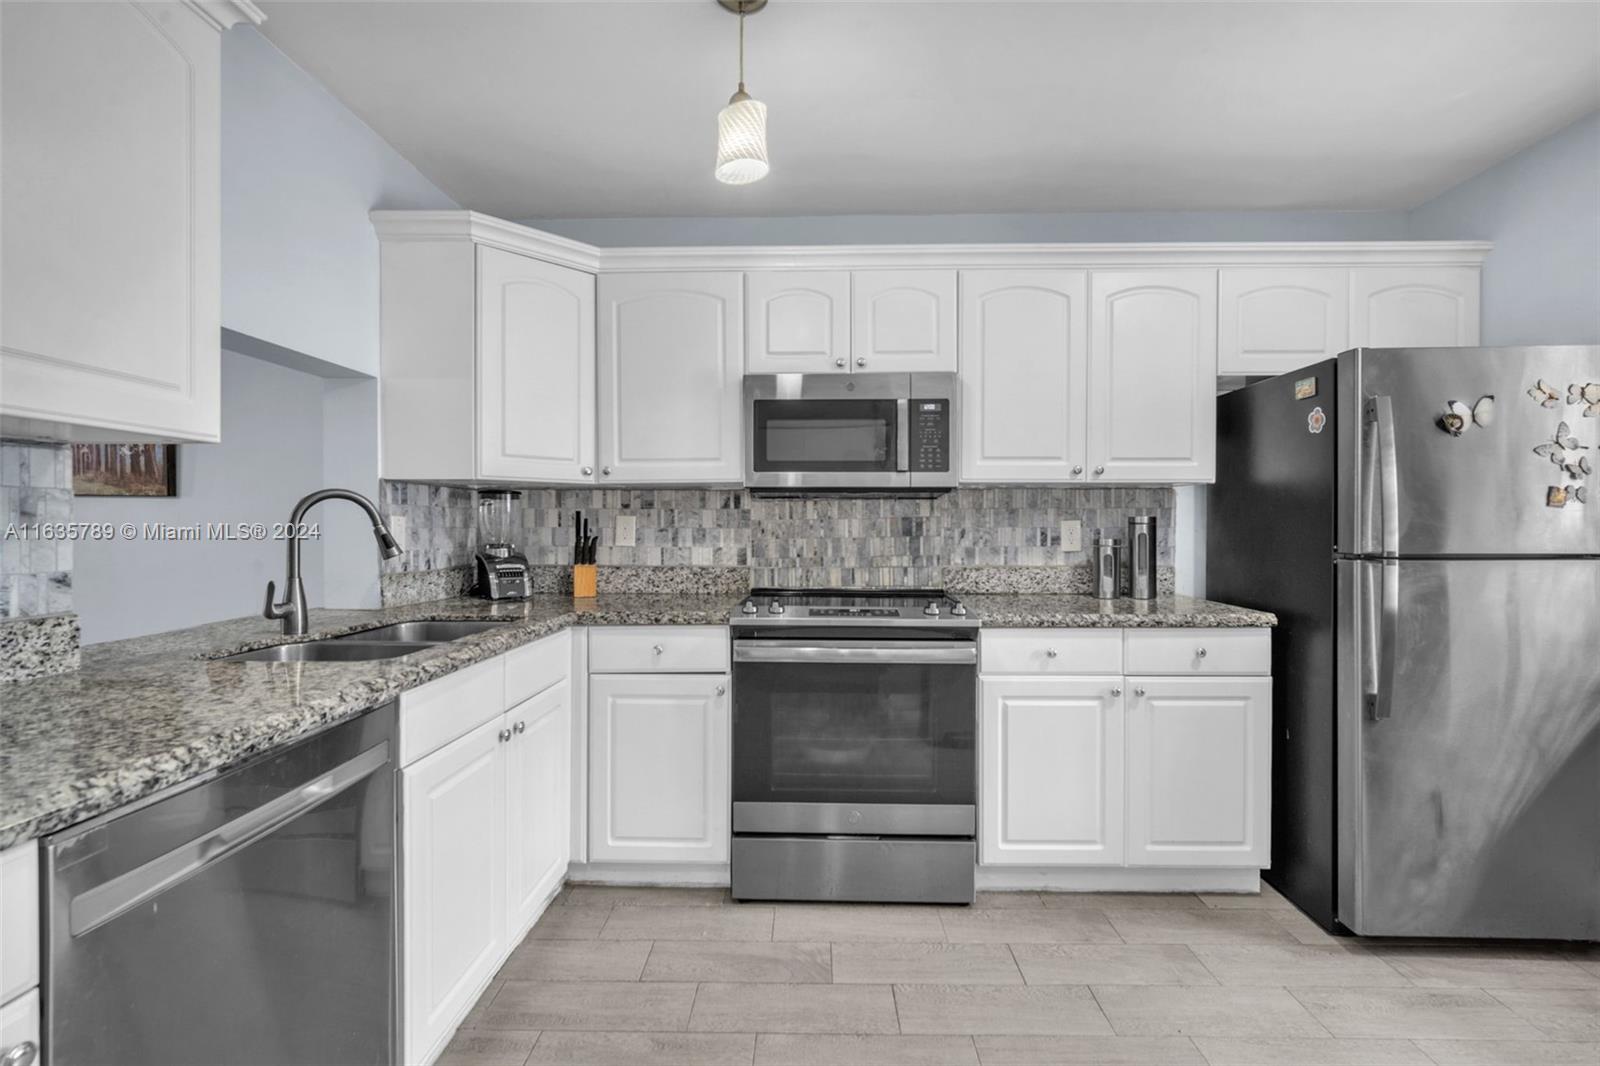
{"x":645,"y":896}
{"x":845,"y":922}
{"x":1413,"y":1012}
{"x":995,"y":900}
{"x":1558,"y":1013}
{"x":1193,"y":1010}
{"x":1297,"y":964}
{"x":474,"y":1016}
{"x":999,"y":1009}
{"x":1087,"y":1051}
{"x":643,"y":1049}
{"x":1327,"y":1051}
{"x":865,"y":963}
{"x":1267,"y":899}
{"x":1306,"y":931}
{"x":592,"y":1005}
{"x":576,"y":960}
{"x":1110,"y":964}
{"x":835,"y":1049}
{"x":688,"y":923}
{"x":1122,"y":900}
{"x":732,"y":1008}
{"x":1511,"y":1052}
{"x":1199,"y":926}
{"x":1018,"y":926}
{"x":760,"y":961}
{"x":1488,"y":966}
{"x":570,"y":923}
{"x":487,"y":1047}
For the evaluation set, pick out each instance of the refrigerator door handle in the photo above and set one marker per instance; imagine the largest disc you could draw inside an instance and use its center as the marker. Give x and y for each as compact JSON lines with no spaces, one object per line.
{"x":1380,"y":417}
{"x":1379,"y":634}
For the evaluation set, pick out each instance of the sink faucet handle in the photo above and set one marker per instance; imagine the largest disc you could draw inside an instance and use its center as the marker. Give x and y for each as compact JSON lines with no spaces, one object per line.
{"x":274,"y":609}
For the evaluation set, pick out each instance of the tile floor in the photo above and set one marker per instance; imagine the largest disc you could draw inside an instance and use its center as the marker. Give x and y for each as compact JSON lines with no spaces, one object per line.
{"x":687,"y":977}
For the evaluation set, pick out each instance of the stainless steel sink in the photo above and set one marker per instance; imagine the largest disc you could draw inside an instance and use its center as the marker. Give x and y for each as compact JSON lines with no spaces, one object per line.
{"x":330,"y":651}
{"x":431,"y":632}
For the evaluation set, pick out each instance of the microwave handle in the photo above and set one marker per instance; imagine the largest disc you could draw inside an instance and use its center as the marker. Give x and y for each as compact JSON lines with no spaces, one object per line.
{"x":902,"y":443}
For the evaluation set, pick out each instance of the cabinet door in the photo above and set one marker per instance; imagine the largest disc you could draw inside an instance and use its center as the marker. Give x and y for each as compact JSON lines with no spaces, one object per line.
{"x":1199,"y":771}
{"x":798,"y":322}
{"x":111,"y":222}
{"x":535,"y":369}
{"x":671,"y":377}
{"x":1051,"y":771}
{"x":658,"y":768}
{"x":1153,"y":376}
{"x":1276,"y":319}
{"x":538,"y":801}
{"x":19,"y":1027}
{"x":1414,"y":307}
{"x":903,"y":320}
{"x":453,"y":889}
{"x":1024,"y":369}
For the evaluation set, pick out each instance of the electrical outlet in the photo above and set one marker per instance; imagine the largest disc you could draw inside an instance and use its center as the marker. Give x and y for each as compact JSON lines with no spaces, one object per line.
{"x":626,"y":524}
{"x":1071,"y":535}
{"x":397,"y":529}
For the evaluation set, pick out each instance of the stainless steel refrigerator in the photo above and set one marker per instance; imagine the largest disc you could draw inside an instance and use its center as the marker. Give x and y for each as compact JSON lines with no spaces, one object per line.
{"x":1426,"y":524}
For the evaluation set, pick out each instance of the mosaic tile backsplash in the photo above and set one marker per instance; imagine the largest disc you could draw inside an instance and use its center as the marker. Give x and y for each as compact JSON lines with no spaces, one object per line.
{"x":35,"y":486}
{"x":819,"y":541}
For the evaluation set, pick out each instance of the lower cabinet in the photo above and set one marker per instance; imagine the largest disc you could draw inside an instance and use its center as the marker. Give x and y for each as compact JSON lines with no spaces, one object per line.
{"x":20,"y":1030}
{"x":1199,"y":771}
{"x":538,"y":801}
{"x":658,"y":768}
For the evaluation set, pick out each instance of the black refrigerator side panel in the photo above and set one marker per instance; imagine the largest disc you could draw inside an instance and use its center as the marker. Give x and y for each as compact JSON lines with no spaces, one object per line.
{"x":1269,"y":545}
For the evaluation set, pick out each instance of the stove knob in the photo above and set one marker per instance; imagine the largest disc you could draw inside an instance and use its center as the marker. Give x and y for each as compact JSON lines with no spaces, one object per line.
{"x":959,"y":610}
{"x":749,"y":607}
{"x":775,"y":608}
{"x":932,"y":610}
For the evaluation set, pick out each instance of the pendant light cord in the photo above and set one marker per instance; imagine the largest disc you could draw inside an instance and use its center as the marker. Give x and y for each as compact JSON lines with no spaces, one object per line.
{"x":741,"y":47}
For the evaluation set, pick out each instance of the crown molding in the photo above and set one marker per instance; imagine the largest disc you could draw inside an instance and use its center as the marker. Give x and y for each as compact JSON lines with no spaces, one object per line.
{"x":224,"y":14}
{"x":524,"y":240}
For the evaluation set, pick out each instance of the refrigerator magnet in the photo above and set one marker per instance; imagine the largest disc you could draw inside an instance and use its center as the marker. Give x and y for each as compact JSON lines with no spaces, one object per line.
{"x":1316,"y":420}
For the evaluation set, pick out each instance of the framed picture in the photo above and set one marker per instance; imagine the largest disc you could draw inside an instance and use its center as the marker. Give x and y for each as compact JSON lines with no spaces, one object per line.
{"x":124,"y":469}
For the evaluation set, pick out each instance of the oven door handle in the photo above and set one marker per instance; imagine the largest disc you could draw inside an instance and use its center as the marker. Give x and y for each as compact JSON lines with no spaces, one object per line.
{"x":825,"y":651}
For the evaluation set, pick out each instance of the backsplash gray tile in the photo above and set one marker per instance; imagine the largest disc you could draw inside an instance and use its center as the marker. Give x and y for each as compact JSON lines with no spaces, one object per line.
{"x":35,"y":486}
{"x":816,"y":541}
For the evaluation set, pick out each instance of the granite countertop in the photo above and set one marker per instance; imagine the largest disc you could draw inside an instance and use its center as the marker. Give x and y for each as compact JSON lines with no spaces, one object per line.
{"x":145,"y":714}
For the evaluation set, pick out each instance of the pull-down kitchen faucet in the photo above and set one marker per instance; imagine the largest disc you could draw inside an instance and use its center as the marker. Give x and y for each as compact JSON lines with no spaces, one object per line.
{"x":293,"y":609}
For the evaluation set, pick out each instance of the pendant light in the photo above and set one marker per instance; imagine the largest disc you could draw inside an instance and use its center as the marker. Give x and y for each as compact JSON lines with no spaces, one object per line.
{"x":742,"y":125}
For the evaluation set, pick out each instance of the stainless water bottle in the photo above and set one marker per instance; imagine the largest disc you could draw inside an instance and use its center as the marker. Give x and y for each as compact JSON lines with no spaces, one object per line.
{"x":1142,"y":556}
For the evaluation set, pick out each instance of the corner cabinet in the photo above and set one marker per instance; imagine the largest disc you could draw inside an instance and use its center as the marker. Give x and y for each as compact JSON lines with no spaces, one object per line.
{"x":1414,"y":307}
{"x":110,"y":230}
{"x":671,"y":368}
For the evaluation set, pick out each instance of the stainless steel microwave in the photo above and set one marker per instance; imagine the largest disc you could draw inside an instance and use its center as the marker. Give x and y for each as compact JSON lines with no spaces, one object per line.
{"x":850,"y":431}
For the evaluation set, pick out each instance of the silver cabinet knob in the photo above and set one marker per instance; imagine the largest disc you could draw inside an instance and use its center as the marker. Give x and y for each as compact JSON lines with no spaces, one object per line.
{"x":839,"y":361}
{"x":605,"y":471}
{"x":1116,"y":692}
{"x":1099,"y":470}
{"x":861,"y":361}
{"x":520,"y":728}
{"x":722,"y":690}
{"x":587,"y":471}
{"x":1077,"y":470}
{"x":21,"y":1055}
{"x":505,"y":735}
{"x":1199,"y":653}
{"x":656,"y":648}
{"x":1138,"y":692}
{"x":1051,"y":652}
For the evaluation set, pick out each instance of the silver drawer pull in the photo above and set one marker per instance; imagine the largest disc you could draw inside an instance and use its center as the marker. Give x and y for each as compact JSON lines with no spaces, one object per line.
{"x":656,"y":649}
{"x":1051,"y":652}
{"x":21,"y":1055}
{"x":1200,"y":653}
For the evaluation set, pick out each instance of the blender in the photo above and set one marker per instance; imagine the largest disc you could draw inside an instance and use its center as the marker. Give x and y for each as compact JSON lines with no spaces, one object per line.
{"x":502,"y":568}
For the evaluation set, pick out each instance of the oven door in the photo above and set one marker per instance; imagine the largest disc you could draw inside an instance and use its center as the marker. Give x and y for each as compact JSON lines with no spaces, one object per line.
{"x":827,"y":431}
{"x":858,"y":737}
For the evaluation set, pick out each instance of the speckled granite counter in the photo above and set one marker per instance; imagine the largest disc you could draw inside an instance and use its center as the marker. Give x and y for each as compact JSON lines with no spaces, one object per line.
{"x":1025,"y":611}
{"x":142,"y":715}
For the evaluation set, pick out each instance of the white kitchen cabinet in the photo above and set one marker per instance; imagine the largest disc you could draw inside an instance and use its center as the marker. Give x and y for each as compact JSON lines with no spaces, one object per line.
{"x":670,"y":378}
{"x":1152,"y":375}
{"x":1413,"y":307}
{"x":19,"y":919}
{"x":658,"y":768}
{"x":110,"y":225}
{"x":1024,"y":375}
{"x":1274,"y":319}
{"x":454,"y":883}
{"x":20,"y":1027}
{"x":1051,"y":768}
{"x":1199,"y":771}
{"x":538,"y":804}
{"x":798,"y":322}
{"x":903,"y":320}
{"x":536,"y":419}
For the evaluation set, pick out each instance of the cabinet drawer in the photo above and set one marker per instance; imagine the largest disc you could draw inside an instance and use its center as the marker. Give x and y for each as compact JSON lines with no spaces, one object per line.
{"x":658,"y":650}
{"x":453,"y":706}
{"x":19,"y":919}
{"x":534,"y":667}
{"x":1198,"y":651}
{"x":1051,"y":651}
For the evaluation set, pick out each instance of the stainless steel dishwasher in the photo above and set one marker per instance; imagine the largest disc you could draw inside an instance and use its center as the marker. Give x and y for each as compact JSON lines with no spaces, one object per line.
{"x":244,"y":918}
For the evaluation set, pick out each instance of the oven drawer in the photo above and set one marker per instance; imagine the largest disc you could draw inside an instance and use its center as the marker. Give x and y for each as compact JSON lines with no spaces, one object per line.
{"x":1051,"y":651}
{"x":658,"y":650}
{"x":1199,"y":651}
{"x":860,"y":869}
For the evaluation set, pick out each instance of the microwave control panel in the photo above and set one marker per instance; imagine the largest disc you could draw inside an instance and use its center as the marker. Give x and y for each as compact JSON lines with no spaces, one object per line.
{"x":930,"y":436}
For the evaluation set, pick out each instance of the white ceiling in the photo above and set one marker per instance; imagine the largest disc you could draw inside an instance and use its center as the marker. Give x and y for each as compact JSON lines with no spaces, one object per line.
{"x":608,"y":109}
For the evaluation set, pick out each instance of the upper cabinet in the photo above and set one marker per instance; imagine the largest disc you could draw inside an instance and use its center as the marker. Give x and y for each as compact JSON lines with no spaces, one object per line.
{"x":1414,"y":307}
{"x":1024,"y":375}
{"x":903,"y":320}
{"x":1274,"y":319}
{"x":670,"y":378}
{"x":111,"y":220}
{"x":1152,"y":375}
{"x":798,"y":322}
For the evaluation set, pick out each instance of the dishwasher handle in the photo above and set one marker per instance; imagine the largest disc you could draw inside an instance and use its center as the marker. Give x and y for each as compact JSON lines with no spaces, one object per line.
{"x":844,"y":651}
{"x":96,"y":906}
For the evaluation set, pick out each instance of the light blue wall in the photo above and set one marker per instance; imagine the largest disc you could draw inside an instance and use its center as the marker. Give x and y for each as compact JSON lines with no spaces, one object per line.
{"x":1541,"y":208}
{"x":299,"y":173}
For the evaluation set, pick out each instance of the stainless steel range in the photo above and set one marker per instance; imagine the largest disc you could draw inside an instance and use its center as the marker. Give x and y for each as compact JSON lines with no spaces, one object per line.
{"x":854,"y":754}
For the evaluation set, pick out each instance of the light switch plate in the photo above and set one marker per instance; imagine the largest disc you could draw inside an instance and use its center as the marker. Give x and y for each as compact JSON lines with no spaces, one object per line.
{"x":626,"y":524}
{"x":1071,"y":535}
{"x":397,"y":529}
